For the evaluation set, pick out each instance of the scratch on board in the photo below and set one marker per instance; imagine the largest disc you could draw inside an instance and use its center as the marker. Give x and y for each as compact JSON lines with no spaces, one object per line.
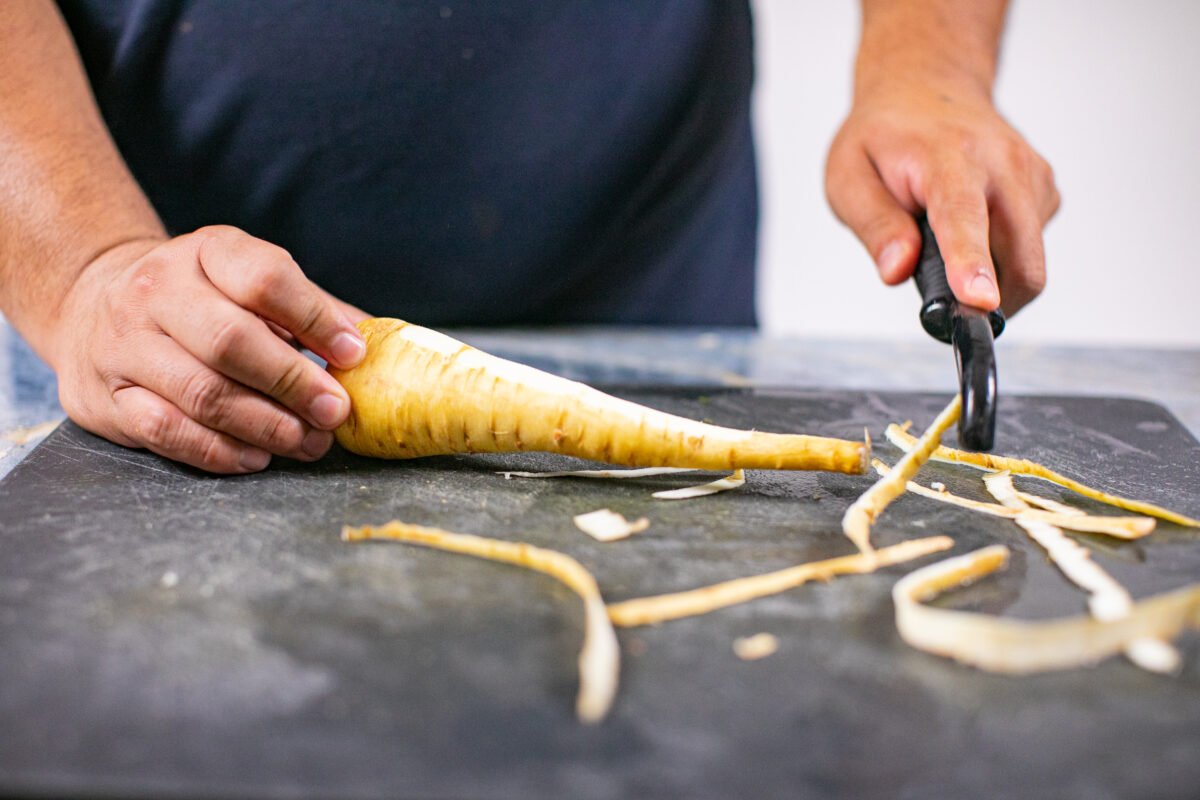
{"x":120,"y":457}
{"x":1120,"y":447}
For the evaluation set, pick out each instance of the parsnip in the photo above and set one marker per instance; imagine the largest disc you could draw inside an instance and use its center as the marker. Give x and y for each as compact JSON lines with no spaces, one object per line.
{"x":421,"y":393}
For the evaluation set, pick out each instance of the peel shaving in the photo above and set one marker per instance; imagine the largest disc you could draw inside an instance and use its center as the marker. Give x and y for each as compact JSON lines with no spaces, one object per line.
{"x":1019,"y":466}
{"x":1021,"y":647}
{"x":856,"y":523}
{"x":659,"y":608}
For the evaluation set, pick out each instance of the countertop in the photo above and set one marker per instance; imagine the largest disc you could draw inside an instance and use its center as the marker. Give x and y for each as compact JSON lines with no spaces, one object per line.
{"x":725,"y":357}
{"x":168,"y":633}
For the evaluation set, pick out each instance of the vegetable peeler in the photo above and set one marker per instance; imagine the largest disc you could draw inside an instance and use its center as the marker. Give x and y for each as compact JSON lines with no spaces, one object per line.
{"x":971,"y":331}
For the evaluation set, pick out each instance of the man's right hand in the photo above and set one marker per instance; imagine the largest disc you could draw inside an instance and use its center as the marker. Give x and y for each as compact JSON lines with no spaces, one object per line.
{"x":166,"y":345}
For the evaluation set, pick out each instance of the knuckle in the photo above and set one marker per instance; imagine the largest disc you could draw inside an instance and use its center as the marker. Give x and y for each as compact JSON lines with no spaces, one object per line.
{"x":147,"y":280}
{"x":156,"y":428}
{"x":310,"y":318}
{"x":280,"y":433}
{"x":213,"y":454}
{"x":1016,"y":157}
{"x":228,"y":341}
{"x":220,"y":232}
{"x":203,"y":396}
{"x":288,"y":383}
{"x":1026,"y":282}
{"x":1049,"y":186}
{"x":271,"y":433}
{"x":126,"y":320}
{"x":967,"y":213}
{"x":1033,"y":277}
{"x":964,"y":143}
{"x":877,"y":231}
{"x":1054,"y":203}
{"x":260,"y":280}
{"x":265,"y":274}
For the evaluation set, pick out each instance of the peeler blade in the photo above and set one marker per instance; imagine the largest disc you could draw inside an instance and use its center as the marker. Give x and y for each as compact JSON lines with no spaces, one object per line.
{"x":975,"y":356}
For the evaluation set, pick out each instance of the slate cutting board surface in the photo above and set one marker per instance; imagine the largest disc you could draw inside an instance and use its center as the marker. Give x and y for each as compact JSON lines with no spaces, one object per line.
{"x":164,"y":633}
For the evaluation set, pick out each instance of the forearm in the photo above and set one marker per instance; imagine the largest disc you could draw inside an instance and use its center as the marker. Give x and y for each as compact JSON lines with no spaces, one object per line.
{"x":946,"y":44}
{"x":66,"y":196}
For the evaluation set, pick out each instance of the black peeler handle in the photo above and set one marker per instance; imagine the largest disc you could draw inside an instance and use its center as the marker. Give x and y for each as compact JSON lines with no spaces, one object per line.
{"x":937,"y":301}
{"x":971,"y":332}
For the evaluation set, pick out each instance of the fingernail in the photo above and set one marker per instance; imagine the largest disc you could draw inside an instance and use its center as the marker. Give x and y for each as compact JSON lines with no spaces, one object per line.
{"x":252,"y":459}
{"x":891,"y":258}
{"x":983,"y":288}
{"x":348,"y":349}
{"x":327,"y":410}
{"x":316,"y":443}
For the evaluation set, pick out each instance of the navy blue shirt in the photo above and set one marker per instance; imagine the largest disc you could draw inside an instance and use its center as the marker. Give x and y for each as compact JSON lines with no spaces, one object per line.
{"x":452,"y":163}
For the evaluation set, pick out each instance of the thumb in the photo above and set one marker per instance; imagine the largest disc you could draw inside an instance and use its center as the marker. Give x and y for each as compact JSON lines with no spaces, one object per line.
{"x":860,"y":199}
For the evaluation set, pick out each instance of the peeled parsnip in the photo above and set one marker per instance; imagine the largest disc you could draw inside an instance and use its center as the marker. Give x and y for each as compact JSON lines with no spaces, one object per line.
{"x":421,"y":393}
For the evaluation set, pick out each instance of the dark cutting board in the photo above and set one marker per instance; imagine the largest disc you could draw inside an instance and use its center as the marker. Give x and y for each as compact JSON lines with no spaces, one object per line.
{"x":166,"y":633}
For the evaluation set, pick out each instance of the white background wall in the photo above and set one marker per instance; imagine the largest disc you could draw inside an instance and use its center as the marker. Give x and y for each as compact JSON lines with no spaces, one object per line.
{"x":1106,"y":90}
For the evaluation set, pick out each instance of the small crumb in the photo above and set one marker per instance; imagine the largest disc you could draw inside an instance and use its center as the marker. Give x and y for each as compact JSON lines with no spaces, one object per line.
{"x":20,"y":436}
{"x":604,"y":525}
{"x":252,"y":515}
{"x":1154,"y":655}
{"x":938,"y":486}
{"x":169,"y":579}
{"x":752,"y":648}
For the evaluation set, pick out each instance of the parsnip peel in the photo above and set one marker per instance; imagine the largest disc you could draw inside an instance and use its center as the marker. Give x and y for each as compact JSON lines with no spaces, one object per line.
{"x":1107,"y":599}
{"x":856,"y":523}
{"x":1063,"y":517}
{"x":606,"y":525}
{"x":659,"y":608}
{"x":599,"y":658}
{"x":644,"y":472}
{"x":758,"y":646}
{"x":1020,"y":646}
{"x":1019,"y":466}
{"x":734,"y":481}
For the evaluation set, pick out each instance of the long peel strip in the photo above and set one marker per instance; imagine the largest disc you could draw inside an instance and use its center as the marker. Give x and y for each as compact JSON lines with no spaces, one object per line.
{"x":659,"y":608}
{"x":599,"y":658}
{"x":856,"y":523}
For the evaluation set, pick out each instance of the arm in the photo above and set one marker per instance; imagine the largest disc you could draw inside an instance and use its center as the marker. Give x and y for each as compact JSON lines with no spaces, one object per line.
{"x":923,"y":134}
{"x":159,"y":343}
